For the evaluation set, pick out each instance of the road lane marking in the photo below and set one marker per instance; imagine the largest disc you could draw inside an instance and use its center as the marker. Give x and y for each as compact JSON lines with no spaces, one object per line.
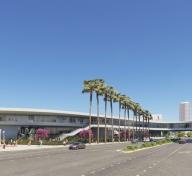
{"x":185,"y":152}
{"x":171,"y":154}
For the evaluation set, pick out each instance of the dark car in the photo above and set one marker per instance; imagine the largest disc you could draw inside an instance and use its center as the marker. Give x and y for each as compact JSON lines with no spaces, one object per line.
{"x":189,"y":141}
{"x":76,"y":146}
{"x":182,"y":141}
{"x":135,"y":141}
{"x":153,"y":140}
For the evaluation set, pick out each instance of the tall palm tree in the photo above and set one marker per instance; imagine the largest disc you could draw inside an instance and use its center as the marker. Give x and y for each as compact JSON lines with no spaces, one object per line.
{"x":129,"y":107}
{"x":143,"y":114}
{"x":145,"y":122}
{"x":140,"y":114}
{"x":88,"y":87}
{"x":136,"y":108}
{"x":106,"y":93}
{"x":112,"y":96}
{"x":139,"y":119}
{"x":124,"y":103}
{"x":150,"y":117}
{"x":99,"y":86}
{"x":120,"y":100}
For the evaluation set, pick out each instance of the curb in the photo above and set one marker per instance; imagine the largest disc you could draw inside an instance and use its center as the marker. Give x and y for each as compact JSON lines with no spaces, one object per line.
{"x":127,"y":152}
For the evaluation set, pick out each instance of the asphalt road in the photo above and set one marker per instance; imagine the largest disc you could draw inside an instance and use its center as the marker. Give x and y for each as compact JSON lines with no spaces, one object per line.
{"x":99,"y":160}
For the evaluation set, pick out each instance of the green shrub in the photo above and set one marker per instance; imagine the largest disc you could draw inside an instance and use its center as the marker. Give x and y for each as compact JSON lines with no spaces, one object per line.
{"x":159,"y":142}
{"x":153,"y":143}
{"x":136,"y":147}
{"x":147,"y":144}
{"x":130,"y":147}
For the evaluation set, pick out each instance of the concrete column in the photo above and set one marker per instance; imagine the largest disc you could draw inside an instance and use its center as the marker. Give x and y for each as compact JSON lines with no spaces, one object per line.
{"x":0,"y":137}
{"x":161,"y":133}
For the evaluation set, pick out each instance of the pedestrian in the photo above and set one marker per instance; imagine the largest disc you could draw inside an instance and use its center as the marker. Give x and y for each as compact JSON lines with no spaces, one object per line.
{"x":40,"y":142}
{"x":11,"y":142}
{"x":29,"y":143}
{"x":4,"y":145}
{"x":14,"y":143}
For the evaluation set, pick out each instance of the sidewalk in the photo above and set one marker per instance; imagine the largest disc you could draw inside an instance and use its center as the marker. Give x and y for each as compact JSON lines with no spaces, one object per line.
{"x":28,"y":147}
{"x":11,"y":148}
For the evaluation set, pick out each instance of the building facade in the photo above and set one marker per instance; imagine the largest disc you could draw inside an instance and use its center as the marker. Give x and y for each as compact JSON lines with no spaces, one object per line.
{"x":15,"y":122}
{"x":157,"y":117}
{"x":185,"y":108}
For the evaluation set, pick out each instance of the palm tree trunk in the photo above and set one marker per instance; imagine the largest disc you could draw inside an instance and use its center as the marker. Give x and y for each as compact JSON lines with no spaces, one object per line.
{"x":148,"y":129}
{"x":139,"y":127}
{"x":90,"y":113}
{"x":105,"y":119}
{"x":98,"y":119}
{"x":128,"y":115}
{"x":133,"y":127}
{"x":111,"y":102}
{"x":143,"y":127}
{"x":136,"y":126}
{"x":125,"y":125}
{"x":119,"y":121}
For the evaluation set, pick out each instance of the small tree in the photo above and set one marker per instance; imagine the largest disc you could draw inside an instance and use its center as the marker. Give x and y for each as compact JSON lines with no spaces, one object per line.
{"x":41,"y":133}
{"x":189,"y":134}
{"x":180,"y":134}
{"x":85,"y":134}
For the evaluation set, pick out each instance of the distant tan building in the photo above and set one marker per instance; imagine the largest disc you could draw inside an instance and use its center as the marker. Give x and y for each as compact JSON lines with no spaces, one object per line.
{"x":157,"y":117}
{"x":185,"y":108}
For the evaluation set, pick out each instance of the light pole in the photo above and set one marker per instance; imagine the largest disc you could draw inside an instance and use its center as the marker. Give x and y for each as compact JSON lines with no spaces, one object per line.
{"x":3,"y":136}
{"x":0,"y":137}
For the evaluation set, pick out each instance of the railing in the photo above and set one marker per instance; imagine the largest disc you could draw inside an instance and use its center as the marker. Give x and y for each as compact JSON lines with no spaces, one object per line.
{"x":73,"y":133}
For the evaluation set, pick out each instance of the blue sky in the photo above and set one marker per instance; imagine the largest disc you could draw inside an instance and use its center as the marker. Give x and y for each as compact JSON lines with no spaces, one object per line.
{"x":142,"y":48}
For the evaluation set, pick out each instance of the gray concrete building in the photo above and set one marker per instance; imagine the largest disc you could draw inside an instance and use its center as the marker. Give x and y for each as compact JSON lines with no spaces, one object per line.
{"x":16,"y":121}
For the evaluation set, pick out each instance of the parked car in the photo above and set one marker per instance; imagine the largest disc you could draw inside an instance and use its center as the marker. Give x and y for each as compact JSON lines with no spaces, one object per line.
{"x":182,"y":141}
{"x":76,"y":146}
{"x":146,"y":140}
{"x":153,"y":140}
{"x":135,"y":141}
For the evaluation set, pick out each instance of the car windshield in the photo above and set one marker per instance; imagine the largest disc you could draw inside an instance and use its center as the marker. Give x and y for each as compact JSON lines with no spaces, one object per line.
{"x":76,"y":143}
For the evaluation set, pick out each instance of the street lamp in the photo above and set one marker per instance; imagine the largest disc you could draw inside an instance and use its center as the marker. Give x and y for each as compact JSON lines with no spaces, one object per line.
{"x":0,"y":137}
{"x":3,"y":136}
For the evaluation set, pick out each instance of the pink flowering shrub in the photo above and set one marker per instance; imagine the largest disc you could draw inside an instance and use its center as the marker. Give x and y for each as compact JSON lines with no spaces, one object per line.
{"x":124,"y":134}
{"x":41,"y":133}
{"x":85,"y":133}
